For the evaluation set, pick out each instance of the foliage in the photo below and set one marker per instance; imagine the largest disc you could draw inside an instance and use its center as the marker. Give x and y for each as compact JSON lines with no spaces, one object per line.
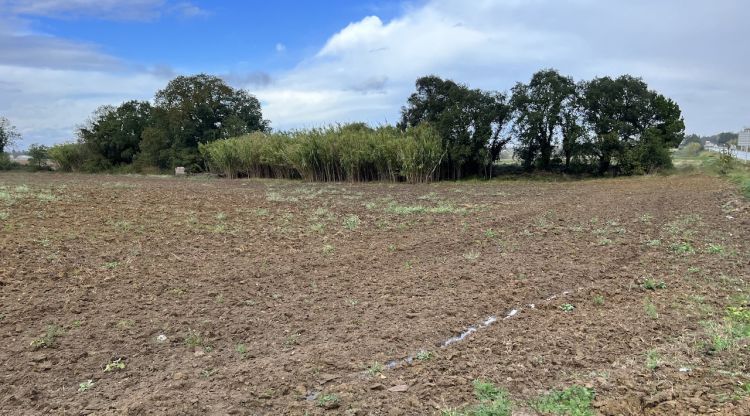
{"x":573,"y":401}
{"x":469,"y":122}
{"x":5,"y":162}
{"x":493,"y":401}
{"x":543,"y":110}
{"x":8,"y":134}
{"x":70,"y":157}
{"x":352,"y":152}
{"x":691,"y":149}
{"x":39,"y":155}
{"x":631,"y":127}
{"x":192,"y":110}
{"x":113,"y":134}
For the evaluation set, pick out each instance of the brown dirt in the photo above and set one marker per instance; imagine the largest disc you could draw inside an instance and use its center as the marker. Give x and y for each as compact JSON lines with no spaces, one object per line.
{"x":115,"y":261}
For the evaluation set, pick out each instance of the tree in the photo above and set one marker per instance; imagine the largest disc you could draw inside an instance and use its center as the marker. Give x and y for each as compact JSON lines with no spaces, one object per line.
{"x":469,"y":122}
{"x":545,"y":110}
{"x":70,"y":157}
{"x":627,"y":121}
{"x":8,"y":134}
{"x":114,"y":133}
{"x":198,"y":109}
{"x":38,"y":156}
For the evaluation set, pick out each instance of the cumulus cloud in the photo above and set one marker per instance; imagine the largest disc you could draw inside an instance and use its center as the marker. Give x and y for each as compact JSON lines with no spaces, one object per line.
{"x":689,"y":50}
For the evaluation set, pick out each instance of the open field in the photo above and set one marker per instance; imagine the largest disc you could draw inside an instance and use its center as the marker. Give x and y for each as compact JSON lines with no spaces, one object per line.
{"x":138,"y":295}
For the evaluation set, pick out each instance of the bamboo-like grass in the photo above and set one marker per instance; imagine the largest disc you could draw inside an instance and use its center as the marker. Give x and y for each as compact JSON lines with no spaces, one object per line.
{"x":353,"y":152}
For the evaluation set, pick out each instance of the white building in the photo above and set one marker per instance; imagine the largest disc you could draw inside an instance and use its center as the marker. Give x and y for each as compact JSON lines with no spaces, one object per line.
{"x":744,"y":141}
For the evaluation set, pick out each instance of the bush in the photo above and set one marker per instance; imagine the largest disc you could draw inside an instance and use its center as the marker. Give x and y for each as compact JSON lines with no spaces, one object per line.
{"x":5,"y":162}
{"x":69,"y":157}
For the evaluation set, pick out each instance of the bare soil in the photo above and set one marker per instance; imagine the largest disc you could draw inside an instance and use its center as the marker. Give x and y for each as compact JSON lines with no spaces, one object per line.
{"x":269,"y":295}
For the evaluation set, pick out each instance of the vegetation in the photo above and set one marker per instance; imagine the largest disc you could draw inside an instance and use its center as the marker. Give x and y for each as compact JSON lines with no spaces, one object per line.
{"x":447,"y":131}
{"x":493,"y":401}
{"x":573,"y":401}
{"x":353,"y":152}
{"x":8,"y":134}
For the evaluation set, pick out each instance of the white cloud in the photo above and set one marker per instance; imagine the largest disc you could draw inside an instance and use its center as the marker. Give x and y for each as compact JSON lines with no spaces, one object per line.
{"x":280,"y":48}
{"x":689,"y":50}
{"x":102,"y":9}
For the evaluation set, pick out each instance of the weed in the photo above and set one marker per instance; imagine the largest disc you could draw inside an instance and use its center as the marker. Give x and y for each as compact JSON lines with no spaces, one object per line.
{"x":371,"y":205}
{"x":114,"y":365}
{"x":193,"y":339}
{"x":221,"y":216}
{"x":567,"y":307}
{"x":574,"y":401}
{"x":85,"y":386}
{"x":261,"y":212}
{"x":391,"y":248}
{"x":4,"y":215}
{"x":241,"y":350}
{"x":715,"y":249}
{"x":650,"y":309}
{"x":317,"y":227}
{"x":328,"y":401}
{"x":492,"y":402}
{"x":693,"y":269}
{"x":209,"y":372}
{"x":351,"y":222}
{"x":375,"y":369}
{"x":490,"y":234}
{"x":292,"y":340}
{"x":393,"y":208}
{"x":49,"y":339}
{"x":683,"y":248}
{"x":425,"y":355}
{"x":111,"y":265}
{"x":328,"y":249}
{"x":605,"y":242}
{"x":651,"y":284}
{"x":471,"y":255}
{"x":653,"y":243}
{"x":599,"y":300}
{"x":653,"y":360}
{"x":408,"y":264}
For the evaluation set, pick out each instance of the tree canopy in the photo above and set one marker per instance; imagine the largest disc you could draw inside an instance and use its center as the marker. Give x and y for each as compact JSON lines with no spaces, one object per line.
{"x":8,"y":134}
{"x":469,"y":121}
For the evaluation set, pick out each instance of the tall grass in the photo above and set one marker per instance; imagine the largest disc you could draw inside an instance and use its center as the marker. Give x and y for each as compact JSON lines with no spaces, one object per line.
{"x":353,"y":152}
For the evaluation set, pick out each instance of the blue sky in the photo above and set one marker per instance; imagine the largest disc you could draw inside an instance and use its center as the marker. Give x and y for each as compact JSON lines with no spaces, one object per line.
{"x":312,"y":63}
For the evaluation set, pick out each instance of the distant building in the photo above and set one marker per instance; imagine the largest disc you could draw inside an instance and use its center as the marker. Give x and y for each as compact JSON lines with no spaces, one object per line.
{"x":710,"y":145}
{"x":744,"y":140}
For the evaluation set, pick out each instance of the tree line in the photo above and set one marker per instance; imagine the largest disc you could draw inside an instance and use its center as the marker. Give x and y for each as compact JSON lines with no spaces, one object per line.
{"x":446,"y":131}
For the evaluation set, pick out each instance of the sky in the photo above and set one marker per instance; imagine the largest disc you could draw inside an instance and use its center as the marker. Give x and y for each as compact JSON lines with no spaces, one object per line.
{"x":315,"y":63}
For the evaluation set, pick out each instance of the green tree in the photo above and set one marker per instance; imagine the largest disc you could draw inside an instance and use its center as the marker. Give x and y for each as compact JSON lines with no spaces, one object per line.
{"x":626,"y":119}
{"x":469,"y":121}
{"x":114,"y":133}
{"x":38,"y":156}
{"x":70,"y":157}
{"x":8,"y":134}
{"x":197,"y":109}
{"x":545,"y":111}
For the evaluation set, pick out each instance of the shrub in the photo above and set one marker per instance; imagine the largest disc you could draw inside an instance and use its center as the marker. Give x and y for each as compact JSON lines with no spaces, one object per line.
{"x":70,"y":157}
{"x":5,"y":162}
